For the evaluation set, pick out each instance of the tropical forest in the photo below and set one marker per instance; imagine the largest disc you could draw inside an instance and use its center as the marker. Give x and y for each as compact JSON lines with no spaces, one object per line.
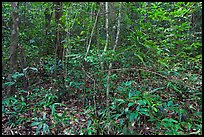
{"x":101,"y":68}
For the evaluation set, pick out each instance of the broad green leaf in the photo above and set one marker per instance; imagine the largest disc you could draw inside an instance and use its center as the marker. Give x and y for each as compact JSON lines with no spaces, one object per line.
{"x":133,"y":116}
{"x":142,"y":102}
{"x":131,"y":93}
{"x":144,"y":111}
{"x":170,"y":103}
{"x":131,"y":104}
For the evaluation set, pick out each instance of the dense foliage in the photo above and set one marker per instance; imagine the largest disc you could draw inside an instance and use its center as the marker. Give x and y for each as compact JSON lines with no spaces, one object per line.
{"x":125,"y":68}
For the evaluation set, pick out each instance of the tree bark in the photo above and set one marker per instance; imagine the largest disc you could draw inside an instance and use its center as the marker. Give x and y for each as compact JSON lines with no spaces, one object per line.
{"x":58,"y":15}
{"x":23,"y":66}
{"x":13,"y":45}
{"x":110,"y":65}
{"x":59,"y":76}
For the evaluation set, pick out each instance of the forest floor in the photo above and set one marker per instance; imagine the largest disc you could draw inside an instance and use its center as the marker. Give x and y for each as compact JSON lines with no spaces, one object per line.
{"x":39,"y":113}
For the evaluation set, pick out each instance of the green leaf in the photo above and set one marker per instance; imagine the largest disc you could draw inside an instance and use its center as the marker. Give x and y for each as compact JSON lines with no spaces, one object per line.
{"x":175,"y":88}
{"x":121,"y":122}
{"x":170,"y":103}
{"x":155,"y":109}
{"x":38,"y":129}
{"x":9,"y":83}
{"x":52,"y":109}
{"x":131,"y":93}
{"x":145,"y":113}
{"x":115,"y":116}
{"x":128,"y":83}
{"x":142,"y":102}
{"x":17,"y":75}
{"x":154,"y":90}
{"x":151,"y":119}
{"x":143,"y":109}
{"x":169,"y":120}
{"x":46,"y":128}
{"x":140,"y":58}
{"x":82,"y":32}
{"x":35,"y":123}
{"x":36,"y":119}
{"x":163,"y":63}
{"x":130,"y":104}
{"x":126,"y":110}
{"x":89,"y":122}
{"x":44,"y":116}
{"x":133,"y":116}
{"x":120,"y":100}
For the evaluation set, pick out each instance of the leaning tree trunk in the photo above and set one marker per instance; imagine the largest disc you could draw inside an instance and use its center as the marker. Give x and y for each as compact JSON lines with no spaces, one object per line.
{"x":13,"y":45}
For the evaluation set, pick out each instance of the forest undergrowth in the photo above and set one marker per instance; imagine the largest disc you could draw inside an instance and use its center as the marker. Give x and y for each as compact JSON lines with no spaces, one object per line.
{"x":141,"y":102}
{"x":102,"y":68}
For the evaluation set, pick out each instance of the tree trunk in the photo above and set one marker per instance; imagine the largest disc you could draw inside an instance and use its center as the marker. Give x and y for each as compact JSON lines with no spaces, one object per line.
{"x":58,"y":15}
{"x":59,"y":76}
{"x":13,"y":45}
{"x":23,"y":66}
{"x":110,"y":65}
{"x":105,"y":48}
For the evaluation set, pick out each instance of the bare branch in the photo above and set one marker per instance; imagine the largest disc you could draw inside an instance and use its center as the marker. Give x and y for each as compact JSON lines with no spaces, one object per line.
{"x":92,"y":33}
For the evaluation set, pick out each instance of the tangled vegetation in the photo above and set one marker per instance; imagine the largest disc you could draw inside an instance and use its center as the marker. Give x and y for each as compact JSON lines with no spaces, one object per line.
{"x":98,"y":68}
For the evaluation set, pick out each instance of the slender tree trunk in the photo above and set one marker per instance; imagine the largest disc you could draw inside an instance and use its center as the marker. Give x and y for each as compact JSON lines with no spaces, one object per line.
{"x":22,"y":62}
{"x":59,"y":50}
{"x":58,"y":15}
{"x":105,"y":48}
{"x":110,"y":65}
{"x":14,"y":45}
{"x":107,"y":35}
{"x":92,"y":32}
